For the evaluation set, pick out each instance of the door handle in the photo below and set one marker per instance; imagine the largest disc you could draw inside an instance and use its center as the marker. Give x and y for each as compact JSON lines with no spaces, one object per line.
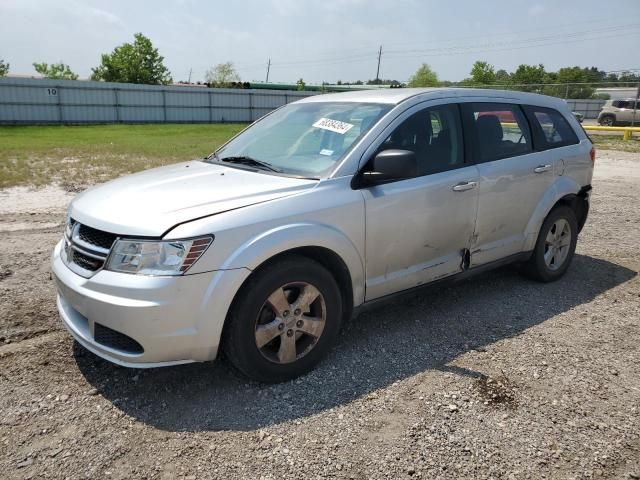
{"x":464,"y":186}
{"x":542,"y":168}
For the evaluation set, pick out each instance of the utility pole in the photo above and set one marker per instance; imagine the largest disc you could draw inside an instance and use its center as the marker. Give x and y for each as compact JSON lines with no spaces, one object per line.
{"x":268,"y":68}
{"x":378,"y":70}
{"x":635,"y":106}
{"x":189,"y":81}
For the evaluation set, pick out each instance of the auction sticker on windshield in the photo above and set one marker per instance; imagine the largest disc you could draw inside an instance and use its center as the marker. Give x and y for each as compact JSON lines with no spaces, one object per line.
{"x":333,"y":125}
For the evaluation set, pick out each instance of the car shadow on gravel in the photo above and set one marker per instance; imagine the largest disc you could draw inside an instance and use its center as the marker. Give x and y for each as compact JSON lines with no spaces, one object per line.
{"x":395,"y":341}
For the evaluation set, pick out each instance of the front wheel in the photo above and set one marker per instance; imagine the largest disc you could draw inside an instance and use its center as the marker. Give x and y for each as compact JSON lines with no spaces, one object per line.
{"x":284,"y":320}
{"x":555,"y":246}
{"x":607,"y":121}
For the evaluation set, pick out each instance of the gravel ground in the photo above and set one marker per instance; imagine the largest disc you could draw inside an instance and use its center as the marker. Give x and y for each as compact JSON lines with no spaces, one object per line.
{"x":495,"y":377}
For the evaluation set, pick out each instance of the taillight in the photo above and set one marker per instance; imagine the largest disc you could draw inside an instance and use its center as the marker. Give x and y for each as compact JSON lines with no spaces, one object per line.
{"x":593,"y":154}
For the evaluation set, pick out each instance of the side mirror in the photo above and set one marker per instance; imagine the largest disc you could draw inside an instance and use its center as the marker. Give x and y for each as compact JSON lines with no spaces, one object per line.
{"x":387,"y":166}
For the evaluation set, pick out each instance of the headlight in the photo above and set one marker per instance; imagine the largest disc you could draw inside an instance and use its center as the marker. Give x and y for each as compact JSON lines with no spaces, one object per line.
{"x":173,"y":257}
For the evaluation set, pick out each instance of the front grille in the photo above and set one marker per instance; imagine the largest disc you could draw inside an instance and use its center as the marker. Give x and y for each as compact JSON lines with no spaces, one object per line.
{"x":86,"y":262}
{"x":86,"y":248}
{"x":116,"y":340}
{"x":96,"y":237}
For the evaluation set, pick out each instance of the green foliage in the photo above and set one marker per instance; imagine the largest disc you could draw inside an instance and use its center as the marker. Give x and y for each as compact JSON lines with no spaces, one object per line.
{"x":300,"y":83}
{"x":424,"y":77}
{"x":4,"y":68}
{"x":503,"y":77}
{"x":482,"y":73}
{"x":526,"y":75}
{"x":383,"y":82}
{"x":568,"y":75}
{"x":222,"y":75}
{"x":56,"y":71}
{"x":136,"y":62}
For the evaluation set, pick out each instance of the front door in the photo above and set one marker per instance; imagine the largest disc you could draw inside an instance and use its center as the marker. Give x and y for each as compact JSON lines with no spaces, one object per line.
{"x":418,"y":229}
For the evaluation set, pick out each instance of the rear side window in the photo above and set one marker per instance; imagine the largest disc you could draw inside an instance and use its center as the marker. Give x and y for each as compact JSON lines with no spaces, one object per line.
{"x":622,"y":104}
{"x":551,"y":127}
{"x":498,"y":130}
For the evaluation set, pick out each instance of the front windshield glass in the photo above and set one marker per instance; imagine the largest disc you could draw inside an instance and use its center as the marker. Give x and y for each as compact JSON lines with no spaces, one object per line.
{"x":305,"y":139}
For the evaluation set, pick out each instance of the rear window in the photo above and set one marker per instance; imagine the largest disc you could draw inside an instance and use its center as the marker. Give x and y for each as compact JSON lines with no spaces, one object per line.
{"x":500,"y":130}
{"x":552,"y":128}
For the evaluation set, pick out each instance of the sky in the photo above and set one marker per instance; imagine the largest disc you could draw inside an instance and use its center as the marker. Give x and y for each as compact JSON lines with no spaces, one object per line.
{"x":326,"y":40}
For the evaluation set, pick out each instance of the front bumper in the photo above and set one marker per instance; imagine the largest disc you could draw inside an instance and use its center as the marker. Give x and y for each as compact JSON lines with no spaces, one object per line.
{"x":173,"y":319}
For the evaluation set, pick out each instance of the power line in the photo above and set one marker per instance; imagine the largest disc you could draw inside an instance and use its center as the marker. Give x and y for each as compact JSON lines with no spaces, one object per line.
{"x":531,"y":42}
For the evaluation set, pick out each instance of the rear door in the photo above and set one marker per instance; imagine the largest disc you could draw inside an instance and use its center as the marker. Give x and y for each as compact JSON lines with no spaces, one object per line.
{"x":513,"y":177}
{"x":418,"y":228}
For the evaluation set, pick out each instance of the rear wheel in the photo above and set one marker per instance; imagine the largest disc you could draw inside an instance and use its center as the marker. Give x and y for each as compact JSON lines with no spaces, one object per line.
{"x":607,"y":120}
{"x":555,"y":246}
{"x":284,"y":320}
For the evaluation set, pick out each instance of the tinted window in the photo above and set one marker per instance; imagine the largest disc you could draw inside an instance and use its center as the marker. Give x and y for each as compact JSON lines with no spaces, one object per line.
{"x":622,"y":104}
{"x":554,"y":129}
{"x":434,"y":134}
{"x":499,"y":130}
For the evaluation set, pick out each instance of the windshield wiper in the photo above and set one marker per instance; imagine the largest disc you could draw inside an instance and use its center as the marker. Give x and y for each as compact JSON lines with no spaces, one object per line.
{"x":244,"y":160}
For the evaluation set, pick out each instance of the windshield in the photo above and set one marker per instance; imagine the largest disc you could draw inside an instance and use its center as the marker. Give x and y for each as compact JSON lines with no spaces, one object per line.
{"x":305,"y":139}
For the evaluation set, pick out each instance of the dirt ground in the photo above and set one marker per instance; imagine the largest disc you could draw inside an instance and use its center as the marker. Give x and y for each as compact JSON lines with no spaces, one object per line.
{"x":495,"y":377}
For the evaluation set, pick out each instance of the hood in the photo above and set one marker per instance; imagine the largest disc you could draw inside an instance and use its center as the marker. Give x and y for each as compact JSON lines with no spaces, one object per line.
{"x":150,"y":203}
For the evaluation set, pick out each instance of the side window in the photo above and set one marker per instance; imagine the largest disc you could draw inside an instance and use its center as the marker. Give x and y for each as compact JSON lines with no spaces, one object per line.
{"x":434,"y":135}
{"x":553,"y":128}
{"x":499,"y":130}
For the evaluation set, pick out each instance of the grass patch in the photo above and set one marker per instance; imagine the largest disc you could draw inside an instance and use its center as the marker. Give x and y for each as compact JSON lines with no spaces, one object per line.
{"x":76,"y":156}
{"x":615,"y":142}
{"x":83,"y":155}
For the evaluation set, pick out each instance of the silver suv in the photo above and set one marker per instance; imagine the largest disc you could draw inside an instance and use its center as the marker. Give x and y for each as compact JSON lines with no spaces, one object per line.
{"x":619,"y":112}
{"x":264,"y":247}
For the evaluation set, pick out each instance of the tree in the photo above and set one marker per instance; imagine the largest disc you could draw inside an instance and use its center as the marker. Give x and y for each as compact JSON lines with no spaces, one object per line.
{"x":574,"y":75}
{"x":4,"y":68}
{"x":56,"y":71}
{"x":528,"y":74}
{"x":424,"y":77}
{"x":482,"y":73}
{"x":136,"y":62}
{"x":300,"y":83}
{"x":222,"y":75}
{"x":502,"y":77}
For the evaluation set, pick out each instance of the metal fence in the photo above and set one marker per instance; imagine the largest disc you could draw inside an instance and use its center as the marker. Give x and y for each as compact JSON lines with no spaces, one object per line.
{"x":42,"y":101}
{"x":588,"y":108}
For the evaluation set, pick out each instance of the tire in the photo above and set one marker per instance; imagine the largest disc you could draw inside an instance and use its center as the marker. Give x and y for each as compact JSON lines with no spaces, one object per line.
{"x":544,"y":265}
{"x":607,"y":121}
{"x":266,"y":312}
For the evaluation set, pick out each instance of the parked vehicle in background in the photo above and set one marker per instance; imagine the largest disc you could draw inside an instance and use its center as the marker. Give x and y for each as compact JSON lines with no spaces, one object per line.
{"x":619,"y":112}
{"x":579,"y":116}
{"x":321,"y":207}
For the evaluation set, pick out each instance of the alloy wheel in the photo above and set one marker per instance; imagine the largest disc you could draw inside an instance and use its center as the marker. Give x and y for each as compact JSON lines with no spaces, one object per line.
{"x":290,"y":322}
{"x":557,"y":244}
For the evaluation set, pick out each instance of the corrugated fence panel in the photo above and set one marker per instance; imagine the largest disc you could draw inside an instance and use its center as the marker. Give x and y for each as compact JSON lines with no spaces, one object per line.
{"x":589,"y":108}
{"x":85,"y":96}
{"x":88,"y":114}
{"x":147,"y":114}
{"x":188,"y":115}
{"x":34,"y":101}
{"x":24,"y":114}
